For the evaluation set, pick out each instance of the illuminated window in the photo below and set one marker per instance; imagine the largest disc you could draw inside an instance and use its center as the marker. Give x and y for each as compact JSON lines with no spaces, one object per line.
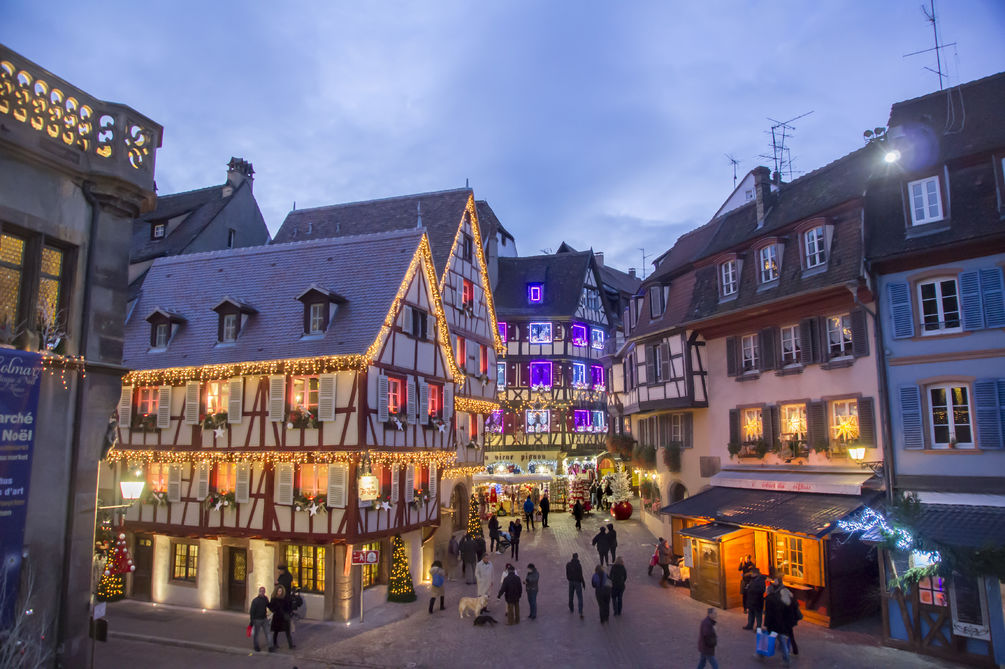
{"x":535,"y":293}
{"x":503,"y":330}
{"x":578,"y":335}
{"x":435,"y":400}
{"x":304,"y":392}
{"x":581,"y":420}
{"x":11,"y":268}
{"x":597,"y":377}
{"x":596,"y":338}
{"x":462,"y":353}
{"x":146,"y":401}
{"x":598,"y":420}
{"x":230,"y":322}
{"x":21,"y":263}
{"x":307,"y":566}
{"x":157,"y":476}
{"x":752,"y":426}
{"x":789,"y":556}
{"x":768,"y":263}
{"x":371,"y":572}
{"x":538,"y":420}
{"x":540,"y":333}
{"x":314,"y":480}
{"x":931,"y":589}
{"x":750,"y":352}
{"x":395,"y":395}
{"x":468,"y":293}
{"x":217,"y":394}
{"x":579,"y":375}
{"x":790,"y":345}
{"x":483,"y":359}
{"x":940,"y":306}
{"x":316,"y":319}
{"x":839,"y":335}
{"x":844,"y":420}
{"x":727,"y":277}
{"x":540,"y":375}
{"x":793,"y":425}
{"x":50,"y":277}
{"x":186,"y":562}
{"x":949,"y":408}
{"x":926,"y":200}
{"x":226,"y":476}
{"x":158,"y":230}
{"x":813,"y":242}
{"x":500,"y":375}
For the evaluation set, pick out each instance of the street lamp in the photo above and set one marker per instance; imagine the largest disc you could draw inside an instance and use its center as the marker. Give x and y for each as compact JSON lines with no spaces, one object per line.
{"x":856,"y":453}
{"x":131,"y":490}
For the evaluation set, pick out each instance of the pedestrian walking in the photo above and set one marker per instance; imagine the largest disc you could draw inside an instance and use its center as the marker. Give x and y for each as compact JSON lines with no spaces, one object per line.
{"x":531,"y":581}
{"x":574,"y":575}
{"x":493,"y":532}
{"x":437,"y":578}
{"x":280,"y":607}
{"x":515,"y":529}
{"x":545,"y":505}
{"x":602,"y":589}
{"x":285,"y":579}
{"x":664,"y":558}
{"x":479,"y":547}
{"x":484,"y":573}
{"x":612,"y":542}
{"x":602,"y":542}
{"x":260,"y":618}
{"x":513,"y":589}
{"x":469,"y":556}
{"x":528,"y":512}
{"x":779,"y":617}
{"x":608,"y":494}
{"x":577,"y":513}
{"x":619,"y":575}
{"x":754,"y":599}
{"x":707,"y":638}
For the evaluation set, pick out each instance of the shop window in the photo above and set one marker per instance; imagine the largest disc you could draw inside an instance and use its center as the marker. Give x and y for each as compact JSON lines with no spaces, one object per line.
{"x":789,"y":556}
{"x":839,"y":336}
{"x":790,"y":345}
{"x":370,"y":572}
{"x":304,"y":393}
{"x":949,"y":411}
{"x":186,"y":562}
{"x":307,"y":566}
{"x":313,"y":480}
{"x":940,"y":306}
{"x":750,"y":353}
{"x":844,"y":421}
{"x":540,"y":333}
{"x":578,"y":334}
{"x":925,"y":200}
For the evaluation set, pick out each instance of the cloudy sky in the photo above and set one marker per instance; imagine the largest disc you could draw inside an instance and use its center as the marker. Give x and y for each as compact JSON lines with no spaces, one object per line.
{"x":600,"y":123}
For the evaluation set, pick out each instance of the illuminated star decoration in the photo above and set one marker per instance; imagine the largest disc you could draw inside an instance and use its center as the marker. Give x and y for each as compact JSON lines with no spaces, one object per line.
{"x":399,"y":425}
{"x":442,"y":427}
{"x":220,"y":503}
{"x":385,"y":505}
{"x":846,"y":428}
{"x":313,"y":508}
{"x":219,"y":432}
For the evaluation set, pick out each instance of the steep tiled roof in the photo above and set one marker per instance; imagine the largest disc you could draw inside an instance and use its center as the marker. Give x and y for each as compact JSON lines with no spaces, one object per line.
{"x":488,"y":221}
{"x":201,"y":205}
{"x":687,"y":247}
{"x":960,"y":525}
{"x":622,"y":282}
{"x":562,"y":275}
{"x":441,"y":215}
{"x":366,"y":270}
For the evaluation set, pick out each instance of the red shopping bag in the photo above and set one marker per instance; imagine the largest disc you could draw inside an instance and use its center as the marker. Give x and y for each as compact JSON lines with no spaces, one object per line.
{"x":766,"y":642}
{"x":249,"y":631}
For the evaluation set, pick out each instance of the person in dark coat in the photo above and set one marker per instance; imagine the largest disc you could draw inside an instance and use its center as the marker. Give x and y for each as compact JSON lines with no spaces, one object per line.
{"x":469,"y":556}
{"x":603,"y":544}
{"x":545,"y":505}
{"x":707,"y":639}
{"x":602,"y":589}
{"x":493,"y":532}
{"x":515,"y":528}
{"x":281,"y":611}
{"x":260,"y":618}
{"x":618,"y":577}
{"x":577,"y":513}
{"x":779,"y":617}
{"x":528,"y":512}
{"x":574,"y":575}
{"x":479,"y":547}
{"x":531,"y":581}
{"x":608,"y":491}
{"x":612,"y":541}
{"x":285,"y":579}
{"x":753,"y":599}
{"x":746,"y":565}
{"x":513,"y":589}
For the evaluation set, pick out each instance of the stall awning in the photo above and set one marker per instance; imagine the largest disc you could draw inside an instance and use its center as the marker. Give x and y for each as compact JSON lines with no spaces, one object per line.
{"x":803,"y":513}
{"x":710,"y":531}
{"x":840,"y":483}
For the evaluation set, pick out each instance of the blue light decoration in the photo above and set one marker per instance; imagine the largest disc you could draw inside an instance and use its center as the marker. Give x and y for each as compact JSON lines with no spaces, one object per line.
{"x":535,"y":293}
{"x":871,"y":521}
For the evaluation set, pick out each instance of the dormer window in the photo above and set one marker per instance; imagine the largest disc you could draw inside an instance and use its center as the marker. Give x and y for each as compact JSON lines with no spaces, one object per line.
{"x":233,"y":316}
{"x":316,"y":319}
{"x":814,"y":247}
{"x":230,"y":322}
{"x":158,"y":230}
{"x":656,"y":301}
{"x":163,"y":326}
{"x":768,"y":263}
{"x":925,"y":200}
{"x":320,"y":305}
{"x":162,"y":332}
{"x":728,"y":278}
{"x":535,"y":293}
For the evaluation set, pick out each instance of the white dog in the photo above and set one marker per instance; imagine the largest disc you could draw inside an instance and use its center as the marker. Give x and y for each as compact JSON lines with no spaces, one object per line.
{"x":472,"y":604}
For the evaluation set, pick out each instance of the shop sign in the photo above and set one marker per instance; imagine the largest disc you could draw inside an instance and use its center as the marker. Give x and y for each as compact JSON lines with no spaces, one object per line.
{"x":369,"y":488}
{"x":365,"y":557}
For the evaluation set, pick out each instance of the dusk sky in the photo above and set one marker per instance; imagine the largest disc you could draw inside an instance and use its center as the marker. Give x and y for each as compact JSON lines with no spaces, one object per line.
{"x":603,"y":124}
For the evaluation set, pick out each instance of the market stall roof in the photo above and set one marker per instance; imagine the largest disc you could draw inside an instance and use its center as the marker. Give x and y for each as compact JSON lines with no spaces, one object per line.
{"x":512,"y":479}
{"x":709,"y":532}
{"x":962,"y":525}
{"x":804,"y":513}
{"x":836,"y":483}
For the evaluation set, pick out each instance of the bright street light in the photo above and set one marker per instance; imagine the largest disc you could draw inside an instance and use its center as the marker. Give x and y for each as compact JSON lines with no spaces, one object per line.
{"x":892,"y":156}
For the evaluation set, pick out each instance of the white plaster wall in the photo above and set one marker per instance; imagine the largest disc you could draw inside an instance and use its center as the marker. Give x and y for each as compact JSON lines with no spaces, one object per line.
{"x":261,"y":560}
{"x":209,"y":577}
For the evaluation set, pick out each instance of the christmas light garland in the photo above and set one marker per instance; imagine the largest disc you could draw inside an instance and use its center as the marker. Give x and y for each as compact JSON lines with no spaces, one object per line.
{"x":470,"y":405}
{"x":462,"y":472}
{"x":442,"y":459}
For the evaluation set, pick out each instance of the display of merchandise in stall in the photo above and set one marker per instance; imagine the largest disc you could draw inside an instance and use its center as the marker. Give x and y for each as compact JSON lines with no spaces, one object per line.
{"x":579,"y":491}
{"x":507,"y":497}
{"x":559,"y":494}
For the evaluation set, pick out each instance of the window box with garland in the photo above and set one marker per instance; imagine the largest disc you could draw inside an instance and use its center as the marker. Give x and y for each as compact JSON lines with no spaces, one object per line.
{"x":301,"y":418}
{"x":214,"y":420}
{"x":218,"y":501}
{"x":144,"y":422}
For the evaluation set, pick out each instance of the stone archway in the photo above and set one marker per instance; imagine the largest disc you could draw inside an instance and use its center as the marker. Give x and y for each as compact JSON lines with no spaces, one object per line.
{"x":459,"y":502}
{"x":677,"y":492}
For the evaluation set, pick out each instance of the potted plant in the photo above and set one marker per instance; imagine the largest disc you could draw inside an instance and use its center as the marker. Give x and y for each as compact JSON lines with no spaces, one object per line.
{"x":396,"y":420}
{"x":145,"y":422}
{"x":155,"y":497}
{"x":214,"y":420}
{"x":644,"y":456}
{"x":301,"y":417}
{"x":304,"y":502}
{"x":761,"y":448}
{"x":219,"y":500}
{"x":734,"y":448}
{"x":672,"y":456}
{"x":620,"y":444}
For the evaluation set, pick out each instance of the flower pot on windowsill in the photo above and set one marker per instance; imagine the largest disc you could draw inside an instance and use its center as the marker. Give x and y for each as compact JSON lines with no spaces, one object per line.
{"x":145,"y":422}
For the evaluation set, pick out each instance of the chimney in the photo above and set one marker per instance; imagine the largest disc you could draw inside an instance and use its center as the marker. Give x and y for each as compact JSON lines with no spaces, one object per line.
{"x":631,"y":272}
{"x":762,"y":192}
{"x":239,"y":170}
{"x":599,"y":255}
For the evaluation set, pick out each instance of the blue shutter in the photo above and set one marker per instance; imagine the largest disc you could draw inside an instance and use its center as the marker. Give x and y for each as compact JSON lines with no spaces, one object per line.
{"x":1001,"y":406}
{"x":910,"y":416}
{"x":989,"y":415}
{"x":899,"y":296}
{"x":970,"y":297}
{"x":992,"y":295}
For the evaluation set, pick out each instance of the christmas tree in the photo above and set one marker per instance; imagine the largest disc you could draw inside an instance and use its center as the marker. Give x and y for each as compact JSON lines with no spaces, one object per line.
{"x":621,"y":486}
{"x":399,"y":586}
{"x":112,"y":585}
{"x":474,"y":521}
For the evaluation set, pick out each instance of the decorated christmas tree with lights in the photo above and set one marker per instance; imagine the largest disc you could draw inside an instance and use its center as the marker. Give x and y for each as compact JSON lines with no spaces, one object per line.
{"x":112,"y":585}
{"x":474,"y":522}
{"x":399,"y":585}
{"x":621,"y":486}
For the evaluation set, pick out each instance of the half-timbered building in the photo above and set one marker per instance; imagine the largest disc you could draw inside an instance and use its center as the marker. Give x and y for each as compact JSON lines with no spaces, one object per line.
{"x":289,"y":402}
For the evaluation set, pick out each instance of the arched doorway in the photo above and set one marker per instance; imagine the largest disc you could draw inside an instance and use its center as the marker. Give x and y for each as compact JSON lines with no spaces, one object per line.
{"x":677,"y":492}
{"x":459,"y":503}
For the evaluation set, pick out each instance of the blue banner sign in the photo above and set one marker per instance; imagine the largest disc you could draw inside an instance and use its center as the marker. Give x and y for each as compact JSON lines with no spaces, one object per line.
{"x":20,"y":379}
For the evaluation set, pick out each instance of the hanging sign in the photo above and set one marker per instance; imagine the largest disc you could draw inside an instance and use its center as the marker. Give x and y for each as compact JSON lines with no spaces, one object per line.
{"x":20,"y":374}
{"x":365,"y":557}
{"x":369,"y":488}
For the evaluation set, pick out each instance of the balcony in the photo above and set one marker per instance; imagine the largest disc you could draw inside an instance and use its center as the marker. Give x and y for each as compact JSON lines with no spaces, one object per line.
{"x":51,"y":119}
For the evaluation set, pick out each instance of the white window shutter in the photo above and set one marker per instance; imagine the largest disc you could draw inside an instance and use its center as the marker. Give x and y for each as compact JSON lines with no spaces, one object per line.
{"x":284,"y":483}
{"x":448,"y":401}
{"x":432,"y":482}
{"x":394,"y":483}
{"x":326,"y":397}
{"x":235,"y":401}
{"x":126,"y":407}
{"x":202,"y":480}
{"x":277,"y":399}
{"x":192,"y":403}
{"x":382,"y":413}
{"x":242,"y":483}
{"x":412,"y":404}
{"x":338,"y":484}
{"x":174,"y":483}
{"x":164,"y":406}
{"x":423,"y":403}
{"x":431,"y":327}
{"x":409,"y":483}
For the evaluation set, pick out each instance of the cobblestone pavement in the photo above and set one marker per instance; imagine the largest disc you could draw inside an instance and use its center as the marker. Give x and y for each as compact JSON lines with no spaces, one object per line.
{"x":659,"y":627}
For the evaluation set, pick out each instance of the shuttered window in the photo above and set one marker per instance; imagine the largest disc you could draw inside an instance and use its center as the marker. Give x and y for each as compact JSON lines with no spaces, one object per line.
{"x":202,"y":480}
{"x":409,"y":483}
{"x":326,"y":397}
{"x":939,"y":305}
{"x":126,"y":407}
{"x":174,"y":483}
{"x":164,"y":407}
{"x":338,"y":485}
{"x":235,"y":400}
{"x":313,"y":480}
{"x":192,"y":403}
{"x":898,"y":296}
{"x":242,"y":483}
{"x":395,"y":485}
{"x":277,"y":399}
{"x":284,"y":483}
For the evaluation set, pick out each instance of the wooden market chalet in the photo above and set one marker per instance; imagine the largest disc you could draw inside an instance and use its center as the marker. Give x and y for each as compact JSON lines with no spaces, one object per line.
{"x":268,"y":379}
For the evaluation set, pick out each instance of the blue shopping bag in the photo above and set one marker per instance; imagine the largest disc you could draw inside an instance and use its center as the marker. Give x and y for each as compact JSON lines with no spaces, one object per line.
{"x":766,"y":643}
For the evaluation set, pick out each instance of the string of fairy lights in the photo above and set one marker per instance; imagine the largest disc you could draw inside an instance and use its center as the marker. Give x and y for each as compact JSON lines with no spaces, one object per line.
{"x":470,"y":405}
{"x":462,"y":472}
{"x":270,"y":458}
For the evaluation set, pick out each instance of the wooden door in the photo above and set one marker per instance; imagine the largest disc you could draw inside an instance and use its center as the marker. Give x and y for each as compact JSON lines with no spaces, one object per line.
{"x":706,"y":577}
{"x":143,"y":560}
{"x":237,"y":579}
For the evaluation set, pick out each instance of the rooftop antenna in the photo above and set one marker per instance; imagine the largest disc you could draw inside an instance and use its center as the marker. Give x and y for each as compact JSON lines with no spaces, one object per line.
{"x":734,"y":162}
{"x":930,"y":17}
{"x":418,"y":214}
{"x":644,"y":265}
{"x":780,"y":156}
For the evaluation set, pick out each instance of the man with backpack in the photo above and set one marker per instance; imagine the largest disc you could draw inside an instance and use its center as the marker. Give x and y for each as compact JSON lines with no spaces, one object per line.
{"x":438,"y":578}
{"x":753,"y":599}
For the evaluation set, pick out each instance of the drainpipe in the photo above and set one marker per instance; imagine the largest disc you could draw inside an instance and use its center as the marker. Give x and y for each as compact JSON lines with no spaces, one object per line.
{"x":884,"y":395}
